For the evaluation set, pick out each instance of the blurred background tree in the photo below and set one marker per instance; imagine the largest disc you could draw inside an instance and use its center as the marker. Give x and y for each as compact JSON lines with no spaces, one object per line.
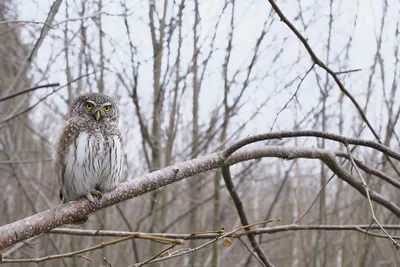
{"x":191,"y":78}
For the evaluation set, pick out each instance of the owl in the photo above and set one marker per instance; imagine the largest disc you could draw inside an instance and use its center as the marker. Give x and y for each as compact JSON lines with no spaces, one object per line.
{"x":89,"y":153}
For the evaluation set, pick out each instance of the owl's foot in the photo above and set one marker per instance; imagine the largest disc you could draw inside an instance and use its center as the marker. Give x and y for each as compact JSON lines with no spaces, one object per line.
{"x":92,"y":194}
{"x":96,"y":194}
{"x":90,"y":198}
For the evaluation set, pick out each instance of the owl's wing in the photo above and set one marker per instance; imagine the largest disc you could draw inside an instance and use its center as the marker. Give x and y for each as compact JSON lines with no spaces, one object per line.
{"x":67,"y":137}
{"x":123,"y":179}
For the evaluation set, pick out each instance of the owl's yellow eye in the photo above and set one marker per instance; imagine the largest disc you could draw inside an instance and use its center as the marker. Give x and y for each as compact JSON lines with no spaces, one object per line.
{"x":107,"y":108}
{"x":89,"y":106}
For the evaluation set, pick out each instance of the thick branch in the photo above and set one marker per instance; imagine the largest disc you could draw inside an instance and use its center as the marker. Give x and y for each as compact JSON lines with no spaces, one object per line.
{"x":50,"y":219}
{"x":308,"y":133}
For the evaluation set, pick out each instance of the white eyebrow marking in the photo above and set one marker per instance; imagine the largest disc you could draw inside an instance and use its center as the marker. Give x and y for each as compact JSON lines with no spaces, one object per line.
{"x":107,"y":104}
{"x":91,"y":102}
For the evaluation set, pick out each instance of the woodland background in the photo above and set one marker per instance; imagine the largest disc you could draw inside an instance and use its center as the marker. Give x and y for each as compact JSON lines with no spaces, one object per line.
{"x":193,"y":77}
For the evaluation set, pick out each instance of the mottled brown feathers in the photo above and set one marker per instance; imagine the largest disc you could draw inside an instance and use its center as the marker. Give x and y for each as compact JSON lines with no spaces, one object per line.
{"x":89,"y":152}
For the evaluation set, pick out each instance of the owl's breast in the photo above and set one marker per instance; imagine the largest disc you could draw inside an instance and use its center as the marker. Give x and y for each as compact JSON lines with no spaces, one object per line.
{"x":94,"y":160}
{"x":98,"y":151}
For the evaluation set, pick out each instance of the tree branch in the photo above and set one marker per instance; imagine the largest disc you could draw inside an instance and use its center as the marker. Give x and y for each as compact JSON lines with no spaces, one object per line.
{"x":226,"y":174}
{"x":308,"y":133}
{"x":258,"y":231}
{"x":67,"y":213}
{"x":25,"y":91}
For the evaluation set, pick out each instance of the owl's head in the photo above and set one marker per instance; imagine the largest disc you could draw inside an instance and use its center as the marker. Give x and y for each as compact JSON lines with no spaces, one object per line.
{"x":95,"y":107}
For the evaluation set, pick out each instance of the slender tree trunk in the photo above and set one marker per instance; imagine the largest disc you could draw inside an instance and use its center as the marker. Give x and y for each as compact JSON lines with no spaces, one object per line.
{"x":158,"y":100}
{"x":322,"y":204}
{"x":101,"y":46}
{"x":194,"y":193}
{"x":81,"y":51}
{"x":222,"y":138}
{"x":67,"y":66}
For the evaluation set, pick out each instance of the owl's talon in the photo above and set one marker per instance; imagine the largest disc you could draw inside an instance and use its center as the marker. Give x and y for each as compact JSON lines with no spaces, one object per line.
{"x":90,"y":198}
{"x":96,"y":194}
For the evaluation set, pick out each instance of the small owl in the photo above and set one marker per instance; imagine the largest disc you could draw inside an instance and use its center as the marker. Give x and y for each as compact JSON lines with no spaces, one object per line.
{"x":89,"y":153}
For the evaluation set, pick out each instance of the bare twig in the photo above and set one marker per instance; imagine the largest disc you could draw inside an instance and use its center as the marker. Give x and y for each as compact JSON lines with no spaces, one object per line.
{"x":212,"y":234}
{"x":347,"y":71}
{"x":25,"y":161}
{"x":49,"y":21}
{"x":314,"y":201}
{"x":293,"y":96}
{"x":368,"y":169}
{"x":322,"y":65}
{"x":107,"y":262}
{"x":331,"y":73}
{"x":28,"y":90}
{"x":91,"y":16}
{"x":25,"y":22}
{"x":218,"y":235}
{"x":128,"y":224}
{"x":367,"y":192}
{"x":226,"y":174}
{"x":249,"y":250}
{"x":16,"y":247}
{"x":69,"y":254}
{"x":40,"y":100}
{"x":173,"y":254}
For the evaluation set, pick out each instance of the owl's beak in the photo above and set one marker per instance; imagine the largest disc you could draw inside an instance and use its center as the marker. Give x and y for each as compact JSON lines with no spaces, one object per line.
{"x":97,"y":115}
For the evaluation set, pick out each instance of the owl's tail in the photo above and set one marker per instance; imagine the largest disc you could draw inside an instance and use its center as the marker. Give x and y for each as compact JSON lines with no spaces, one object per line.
{"x":62,"y":196}
{"x":80,"y":221}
